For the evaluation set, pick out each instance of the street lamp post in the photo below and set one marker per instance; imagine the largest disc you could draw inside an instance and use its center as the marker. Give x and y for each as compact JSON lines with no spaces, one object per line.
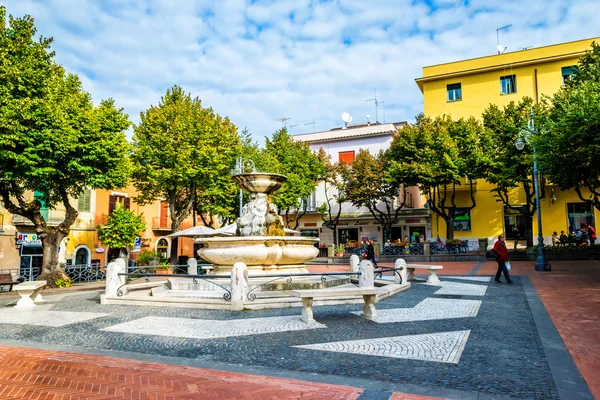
{"x":240,"y":169}
{"x":541,"y":263}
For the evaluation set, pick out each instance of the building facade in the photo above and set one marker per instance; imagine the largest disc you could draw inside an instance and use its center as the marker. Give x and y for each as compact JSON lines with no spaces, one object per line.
{"x":466,"y":88}
{"x":357,"y":223}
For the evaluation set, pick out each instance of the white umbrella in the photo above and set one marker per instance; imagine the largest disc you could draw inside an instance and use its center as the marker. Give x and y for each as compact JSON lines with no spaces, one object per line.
{"x":227,"y":230}
{"x":287,"y":230}
{"x":194,"y":232}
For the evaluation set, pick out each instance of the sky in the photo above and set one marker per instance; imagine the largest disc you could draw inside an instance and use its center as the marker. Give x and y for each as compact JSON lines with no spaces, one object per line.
{"x":259,"y":61}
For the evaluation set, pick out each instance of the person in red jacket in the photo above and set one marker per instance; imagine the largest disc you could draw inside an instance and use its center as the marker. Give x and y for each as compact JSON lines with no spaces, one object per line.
{"x":592,"y":235}
{"x":501,"y":258}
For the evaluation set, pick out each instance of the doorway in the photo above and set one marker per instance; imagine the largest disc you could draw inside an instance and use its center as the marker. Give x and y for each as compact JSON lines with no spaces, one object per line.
{"x":31,"y":262}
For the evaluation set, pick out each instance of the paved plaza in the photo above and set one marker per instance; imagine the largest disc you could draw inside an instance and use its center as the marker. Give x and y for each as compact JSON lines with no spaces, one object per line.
{"x":464,"y":338}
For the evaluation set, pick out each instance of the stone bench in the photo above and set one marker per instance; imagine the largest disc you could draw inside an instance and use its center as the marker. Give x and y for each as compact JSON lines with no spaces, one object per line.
{"x":29,"y":292}
{"x":307,"y":296}
{"x":433,"y":270}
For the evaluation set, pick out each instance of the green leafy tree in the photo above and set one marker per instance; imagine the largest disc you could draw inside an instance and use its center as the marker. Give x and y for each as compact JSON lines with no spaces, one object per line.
{"x":435,"y":154}
{"x":569,"y":144}
{"x":53,"y":140}
{"x":510,"y":168}
{"x":303,"y":170}
{"x":365,"y":184}
{"x":331,"y":209}
{"x":121,"y":229}
{"x":180,"y":150}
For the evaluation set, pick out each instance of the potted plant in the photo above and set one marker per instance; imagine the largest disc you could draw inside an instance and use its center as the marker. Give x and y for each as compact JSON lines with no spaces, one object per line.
{"x":340,"y":249}
{"x":164,"y":268}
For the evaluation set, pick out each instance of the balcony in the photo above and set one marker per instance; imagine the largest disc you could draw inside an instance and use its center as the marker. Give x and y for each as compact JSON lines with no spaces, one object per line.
{"x":53,"y":218}
{"x":161,"y":224}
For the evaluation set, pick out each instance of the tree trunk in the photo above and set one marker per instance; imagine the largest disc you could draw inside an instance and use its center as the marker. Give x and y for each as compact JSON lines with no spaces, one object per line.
{"x":51,"y":271}
{"x":529,"y":230}
{"x":449,"y":229}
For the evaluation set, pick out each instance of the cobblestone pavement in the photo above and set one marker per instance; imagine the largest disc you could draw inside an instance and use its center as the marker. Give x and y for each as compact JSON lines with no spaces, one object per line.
{"x":502,"y":355}
{"x":571,"y":294}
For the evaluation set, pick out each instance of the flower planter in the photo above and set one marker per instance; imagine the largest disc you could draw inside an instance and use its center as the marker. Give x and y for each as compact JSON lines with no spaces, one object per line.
{"x":163,"y":272}
{"x":339,"y":254}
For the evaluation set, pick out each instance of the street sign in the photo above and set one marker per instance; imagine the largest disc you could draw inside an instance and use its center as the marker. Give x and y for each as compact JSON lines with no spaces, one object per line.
{"x":137,"y":244}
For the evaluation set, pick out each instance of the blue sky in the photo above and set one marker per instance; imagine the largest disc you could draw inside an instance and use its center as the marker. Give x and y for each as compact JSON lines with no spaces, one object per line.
{"x":306,"y":60}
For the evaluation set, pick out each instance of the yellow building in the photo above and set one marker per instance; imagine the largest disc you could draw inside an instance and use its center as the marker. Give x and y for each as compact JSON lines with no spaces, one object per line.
{"x":466,"y":88}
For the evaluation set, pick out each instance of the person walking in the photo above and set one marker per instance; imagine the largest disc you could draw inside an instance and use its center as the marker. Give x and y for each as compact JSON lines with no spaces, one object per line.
{"x":501,"y":258}
{"x":515,"y":233}
{"x":592,"y":235}
{"x":371,"y":252}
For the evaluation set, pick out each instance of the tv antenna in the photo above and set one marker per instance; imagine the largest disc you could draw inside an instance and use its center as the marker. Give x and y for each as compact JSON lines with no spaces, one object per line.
{"x":292,"y":126}
{"x":501,"y":49}
{"x":283,"y":123}
{"x":377,"y":103}
{"x":313,"y":124}
{"x":347,"y":118}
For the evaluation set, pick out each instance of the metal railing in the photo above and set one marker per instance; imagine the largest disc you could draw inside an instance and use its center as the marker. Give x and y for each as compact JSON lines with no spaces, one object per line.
{"x":463,"y":246}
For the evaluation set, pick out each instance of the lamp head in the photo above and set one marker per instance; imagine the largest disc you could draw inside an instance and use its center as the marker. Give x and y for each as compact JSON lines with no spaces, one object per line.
{"x":520,"y":144}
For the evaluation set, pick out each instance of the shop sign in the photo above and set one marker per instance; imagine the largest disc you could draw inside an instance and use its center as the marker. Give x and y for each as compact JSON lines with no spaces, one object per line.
{"x":137,"y":244}
{"x":413,"y":220}
{"x":363,"y":223}
{"x":28,"y":239}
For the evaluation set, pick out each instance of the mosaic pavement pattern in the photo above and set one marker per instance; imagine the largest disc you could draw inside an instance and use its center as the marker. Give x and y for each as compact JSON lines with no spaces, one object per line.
{"x":459,"y":289}
{"x":207,"y":329}
{"x":429,"y":309}
{"x":42,"y":315}
{"x":445,"y":347}
{"x":468,"y":278}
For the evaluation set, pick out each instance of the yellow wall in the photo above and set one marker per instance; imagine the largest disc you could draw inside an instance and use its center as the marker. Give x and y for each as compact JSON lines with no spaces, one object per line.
{"x":538,"y":72}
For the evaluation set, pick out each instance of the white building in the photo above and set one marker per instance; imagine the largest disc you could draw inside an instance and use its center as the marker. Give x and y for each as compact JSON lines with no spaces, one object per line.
{"x":342,"y":144}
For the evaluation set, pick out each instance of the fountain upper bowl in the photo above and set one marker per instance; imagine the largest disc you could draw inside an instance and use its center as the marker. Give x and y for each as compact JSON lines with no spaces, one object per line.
{"x":259,"y":182}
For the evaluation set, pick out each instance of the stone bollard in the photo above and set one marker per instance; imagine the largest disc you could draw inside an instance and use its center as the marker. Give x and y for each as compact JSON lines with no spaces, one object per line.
{"x":400,"y":276}
{"x":239,"y":285}
{"x":192,"y":266}
{"x":354,"y":260}
{"x":365,"y":280}
{"x":426,"y":248}
{"x":330,"y":250}
{"x":113,"y":280}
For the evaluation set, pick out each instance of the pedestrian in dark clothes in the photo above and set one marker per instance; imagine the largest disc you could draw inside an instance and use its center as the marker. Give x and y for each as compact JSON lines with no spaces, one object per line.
{"x":501,"y":258}
{"x":371,"y":252}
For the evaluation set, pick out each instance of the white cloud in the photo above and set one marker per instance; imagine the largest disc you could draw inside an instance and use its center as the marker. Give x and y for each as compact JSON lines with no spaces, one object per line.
{"x":309,"y":60}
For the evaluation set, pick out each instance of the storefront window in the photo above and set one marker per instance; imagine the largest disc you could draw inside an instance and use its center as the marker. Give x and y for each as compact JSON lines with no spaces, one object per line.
{"x":579,"y":215}
{"x":462,"y":219}
{"x":344,"y":235}
{"x":515,"y":223}
{"x":309,"y":233}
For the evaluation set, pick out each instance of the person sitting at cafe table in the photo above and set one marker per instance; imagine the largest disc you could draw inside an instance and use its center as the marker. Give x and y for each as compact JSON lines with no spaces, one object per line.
{"x":555,"y":239}
{"x":564,"y":239}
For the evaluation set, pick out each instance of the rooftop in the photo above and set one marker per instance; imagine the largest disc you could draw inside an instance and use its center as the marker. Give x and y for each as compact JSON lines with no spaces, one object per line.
{"x":353,"y":130}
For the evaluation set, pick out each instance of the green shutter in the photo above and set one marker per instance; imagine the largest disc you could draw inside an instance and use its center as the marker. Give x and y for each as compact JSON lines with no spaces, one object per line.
{"x":84,"y":201}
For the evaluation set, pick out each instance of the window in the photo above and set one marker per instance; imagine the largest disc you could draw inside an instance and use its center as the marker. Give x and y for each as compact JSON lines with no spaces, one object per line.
{"x":462,"y":219}
{"x":84,"y":201}
{"x":568,"y":73}
{"x":508,"y":84}
{"x":113,"y":200}
{"x":454,"y":92}
{"x":346,"y":157}
{"x":579,"y":215}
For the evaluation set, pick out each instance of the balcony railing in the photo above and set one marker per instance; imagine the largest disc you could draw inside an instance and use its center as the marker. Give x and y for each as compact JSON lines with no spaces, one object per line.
{"x":160,"y":224}
{"x":53,"y":218}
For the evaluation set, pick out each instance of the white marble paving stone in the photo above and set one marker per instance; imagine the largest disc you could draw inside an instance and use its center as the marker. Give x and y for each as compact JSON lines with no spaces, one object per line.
{"x":210,"y":329}
{"x":427,"y":310}
{"x":469,"y":278}
{"x":459,"y":288}
{"x":444,"y":347}
{"x":41,"y":315}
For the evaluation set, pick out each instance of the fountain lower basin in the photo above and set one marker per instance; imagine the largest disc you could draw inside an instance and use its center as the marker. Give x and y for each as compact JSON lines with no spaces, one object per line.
{"x":262,"y":254}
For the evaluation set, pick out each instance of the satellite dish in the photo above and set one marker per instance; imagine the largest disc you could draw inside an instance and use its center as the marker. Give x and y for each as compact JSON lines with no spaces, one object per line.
{"x":347,"y":118}
{"x":500,"y":48}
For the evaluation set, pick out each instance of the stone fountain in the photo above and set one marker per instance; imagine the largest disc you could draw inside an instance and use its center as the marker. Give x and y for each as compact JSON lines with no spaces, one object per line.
{"x":260,"y":242}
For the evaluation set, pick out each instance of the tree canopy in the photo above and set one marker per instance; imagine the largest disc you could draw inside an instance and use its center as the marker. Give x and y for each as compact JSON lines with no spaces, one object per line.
{"x":435,"y":154}
{"x":182,"y":150}
{"x":365,"y":184}
{"x":53,"y":139}
{"x":302,"y":167}
{"x":569,"y":143}
{"x":121,"y":229}
{"x":510,"y":168}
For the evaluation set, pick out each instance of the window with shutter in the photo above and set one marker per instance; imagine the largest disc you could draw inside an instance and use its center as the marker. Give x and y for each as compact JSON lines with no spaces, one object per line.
{"x":84,"y":201}
{"x":346,"y":157}
{"x":126,"y":202}
{"x":113,"y":200}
